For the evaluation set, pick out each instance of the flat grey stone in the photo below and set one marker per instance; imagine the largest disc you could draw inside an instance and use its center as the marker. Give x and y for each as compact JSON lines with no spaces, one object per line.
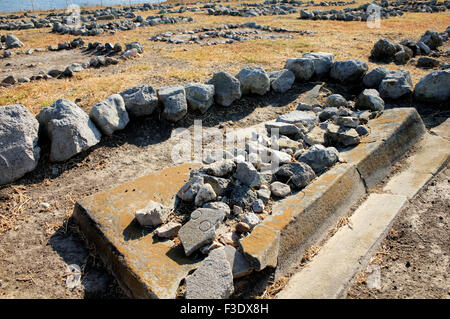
{"x":306,"y":118}
{"x":200,"y":229}
{"x":213,"y":279}
{"x":169,"y":230}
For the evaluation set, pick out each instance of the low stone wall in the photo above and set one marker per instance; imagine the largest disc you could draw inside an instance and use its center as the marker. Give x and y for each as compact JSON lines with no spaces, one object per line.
{"x":223,"y":89}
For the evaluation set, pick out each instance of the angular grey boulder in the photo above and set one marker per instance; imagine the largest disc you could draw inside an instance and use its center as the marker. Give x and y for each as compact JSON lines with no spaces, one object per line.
{"x":306,"y":118}
{"x":247,"y":174}
{"x":282,"y":80}
{"x":140,"y":100}
{"x":383,"y":50}
{"x":227,"y":88}
{"x":396,"y":85}
{"x":432,"y":39}
{"x":340,"y":135}
{"x":19,"y":152}
{"x":322,"y":62}
{"x":173,"y":98}
{"x":320,"y":157}
{"x":349,"y":70}
{"x":434,"y":87}
{"x":200,"y":229}
{"x":296,"y":175}
{"x":189,"y":190}
{"x":335,"y":100}
{"x":12,"y":42}
{"x":254,"y":80}
{"x":303,"y":68}
{"x":370,"y":99}
{"x":110,"y":115}
{"x":373,"y":78}
{"x":69,"y":128}
{"x":199,"y":96}
{"x":213,"y":279}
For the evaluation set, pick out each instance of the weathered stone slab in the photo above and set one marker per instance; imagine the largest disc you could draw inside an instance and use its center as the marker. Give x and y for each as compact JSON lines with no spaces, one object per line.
{"x":144,"y":266}
{"x":213,"y":279}
{"x":200,"y":229}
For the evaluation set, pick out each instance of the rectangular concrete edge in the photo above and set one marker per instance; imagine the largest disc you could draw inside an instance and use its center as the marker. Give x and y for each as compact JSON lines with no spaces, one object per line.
{"x":111,"y":257}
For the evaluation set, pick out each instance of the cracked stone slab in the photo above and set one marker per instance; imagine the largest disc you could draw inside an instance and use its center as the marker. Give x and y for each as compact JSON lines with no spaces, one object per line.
{"x":213,"y":279}
{"x":200,"y":229}
{"x":144,"y":266}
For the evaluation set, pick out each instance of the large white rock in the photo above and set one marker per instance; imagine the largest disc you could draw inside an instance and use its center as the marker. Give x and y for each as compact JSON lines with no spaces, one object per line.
{"x":140,"y":100}
{"x":349,"y":70}
{"x":173,"y":98}
{"x":110,"y":115}
{"x":254,"y":80}
{"x":19,"y":153}
{"x":322,"y":62}
{"x":227,"y":88}
{"x":199,"y":96}
{"x":69,"y":128}
{"x":302,"y":68}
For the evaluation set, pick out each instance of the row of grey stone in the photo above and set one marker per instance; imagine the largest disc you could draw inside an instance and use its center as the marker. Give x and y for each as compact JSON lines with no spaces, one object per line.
{"x":133,"y":50}
{"x":226,"y":32}
{"x":94,"y":28}
{"x":223,"y":89}
{"x":385,"y":10}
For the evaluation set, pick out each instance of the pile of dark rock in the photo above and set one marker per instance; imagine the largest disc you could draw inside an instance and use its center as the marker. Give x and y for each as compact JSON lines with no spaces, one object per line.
{"x":386,"y":10}
{"x":74,"y":44}
{"x":400,"y":53}
{"x":228,"y":32}
{"x":132,"y":50}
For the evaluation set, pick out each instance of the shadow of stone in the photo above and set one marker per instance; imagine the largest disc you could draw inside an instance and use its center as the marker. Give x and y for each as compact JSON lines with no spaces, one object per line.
{"x":96,"y":281}
{"x":135,"y":231}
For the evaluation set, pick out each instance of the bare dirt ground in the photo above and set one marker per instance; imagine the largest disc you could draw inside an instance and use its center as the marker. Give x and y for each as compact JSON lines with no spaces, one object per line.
{"x":37,"y":243}
{"x":414,"y":257}
{"x":27,"y":65}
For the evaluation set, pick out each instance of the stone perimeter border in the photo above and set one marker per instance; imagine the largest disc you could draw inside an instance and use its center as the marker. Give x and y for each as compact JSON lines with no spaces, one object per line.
{"x":148,"y":268}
